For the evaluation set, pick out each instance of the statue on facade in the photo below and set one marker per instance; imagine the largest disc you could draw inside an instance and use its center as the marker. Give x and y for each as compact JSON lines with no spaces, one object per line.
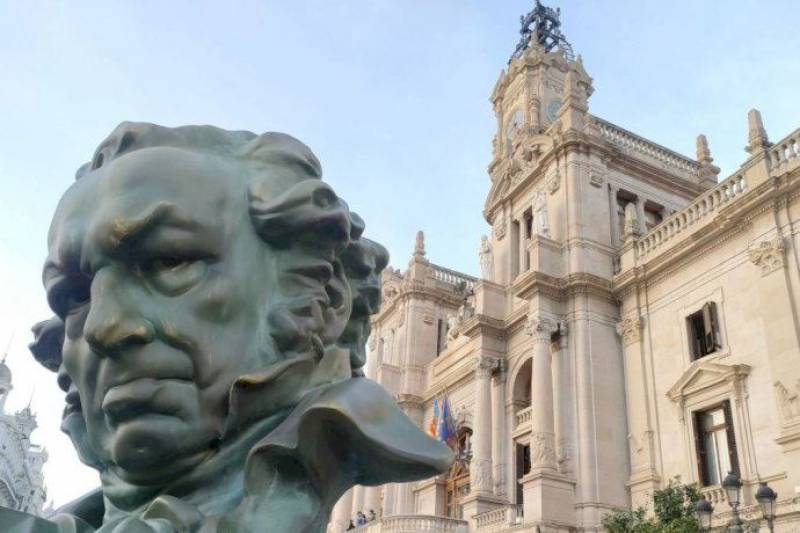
{"x":212,"y":300}
{"x":541,"y":223}
{"x":632,"y":225}
{"x":486,"y":258}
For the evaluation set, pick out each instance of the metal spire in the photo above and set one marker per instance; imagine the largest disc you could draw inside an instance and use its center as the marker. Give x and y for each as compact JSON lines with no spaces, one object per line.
{"x":542,"y":26}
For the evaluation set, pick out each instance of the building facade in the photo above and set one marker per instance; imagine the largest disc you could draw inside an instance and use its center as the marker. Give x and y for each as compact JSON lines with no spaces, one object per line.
{"x":636,"y":320}
{"x":21,"y":480}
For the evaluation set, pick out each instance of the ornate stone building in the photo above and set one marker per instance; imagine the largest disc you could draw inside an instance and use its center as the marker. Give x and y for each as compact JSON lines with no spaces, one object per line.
{"x":21,"y":479}
{"x":636,"y":320}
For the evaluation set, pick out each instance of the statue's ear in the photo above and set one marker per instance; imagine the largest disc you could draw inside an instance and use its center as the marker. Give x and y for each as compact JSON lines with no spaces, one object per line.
{"x":47,"y":343}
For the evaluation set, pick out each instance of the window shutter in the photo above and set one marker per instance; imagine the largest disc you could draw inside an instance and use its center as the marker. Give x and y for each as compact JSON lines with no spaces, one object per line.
{"x":700,"y":449}
{"x":710,"y":327}
{"x":732,"y":450}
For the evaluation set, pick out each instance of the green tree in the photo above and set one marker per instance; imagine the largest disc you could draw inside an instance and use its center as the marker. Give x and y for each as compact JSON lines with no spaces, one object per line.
{"x":673,"y":507}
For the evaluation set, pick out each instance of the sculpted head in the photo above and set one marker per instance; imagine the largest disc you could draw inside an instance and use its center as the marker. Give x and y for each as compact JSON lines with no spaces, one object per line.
{"x":189,"y":267}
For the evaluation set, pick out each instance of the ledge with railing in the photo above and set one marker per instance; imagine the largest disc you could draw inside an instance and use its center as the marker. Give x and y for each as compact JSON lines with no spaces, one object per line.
{"x":452,"y":277}
{"x":704,"y":207}
{"x":632,"y":142}
{"x":524,"y":416}
{"x":414,"y":523}
{"x":785,"y":154}
{"x":499,"y":519}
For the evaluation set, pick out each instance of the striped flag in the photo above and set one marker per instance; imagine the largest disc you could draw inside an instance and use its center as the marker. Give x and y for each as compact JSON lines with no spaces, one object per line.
{"x":435,"y":420}
{"x":446,"y":431}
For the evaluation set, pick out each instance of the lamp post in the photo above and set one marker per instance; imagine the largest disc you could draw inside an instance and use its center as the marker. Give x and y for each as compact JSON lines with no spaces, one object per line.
{"x":766,"y":497}
{"x":732,"y":485}
{"x":702,"y":511}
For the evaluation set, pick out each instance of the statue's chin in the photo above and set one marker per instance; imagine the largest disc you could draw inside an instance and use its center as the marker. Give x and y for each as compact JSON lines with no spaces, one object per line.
{"x":152,"y":449}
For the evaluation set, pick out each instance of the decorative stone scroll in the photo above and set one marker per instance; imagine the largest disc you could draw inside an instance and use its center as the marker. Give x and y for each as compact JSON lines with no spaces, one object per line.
{"x":630,"y":329}
{"x":485,"y":366}
{"x":768,"y":255}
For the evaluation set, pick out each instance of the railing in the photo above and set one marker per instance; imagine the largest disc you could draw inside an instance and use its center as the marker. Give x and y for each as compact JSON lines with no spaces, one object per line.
{"x":785,"y":151}
{"x":499,"y":519}
{"x":625,"y":139}
{"x":452,"y":277}
{"x":704,"y":206}
{"x":523,"y":416}
{"x":414,"y":523}
{"x":495,"y":517}
{"x":714,"y":494}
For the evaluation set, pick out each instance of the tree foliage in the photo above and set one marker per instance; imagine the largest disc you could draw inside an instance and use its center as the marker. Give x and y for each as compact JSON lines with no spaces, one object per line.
{"x":673,"y":512}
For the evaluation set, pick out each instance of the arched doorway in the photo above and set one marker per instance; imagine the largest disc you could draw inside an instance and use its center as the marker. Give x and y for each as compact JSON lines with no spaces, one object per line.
{"x":521,"y":398}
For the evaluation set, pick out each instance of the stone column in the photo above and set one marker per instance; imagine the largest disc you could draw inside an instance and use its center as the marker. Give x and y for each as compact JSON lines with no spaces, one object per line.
{"x":543,"y":455}
{"x":640,"y":215}
{"x":358,"y":500}
{"x":616,"y":238}
{"x":499,"y":432}
{"x":389,"y":499}
{"x":341,"y":512}
{"x":523,"y":244}
{"x":372,"y":500}
{"x":481,"y":464}
{"x":564,"y":406}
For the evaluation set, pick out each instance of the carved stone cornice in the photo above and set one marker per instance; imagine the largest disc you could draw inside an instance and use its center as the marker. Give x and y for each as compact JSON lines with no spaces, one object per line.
{"x":540,"y":327}
{"x":768,"y":254}
{"x":630,"y":329}
{"x":409,"y":401}
{"x":485,"y":325}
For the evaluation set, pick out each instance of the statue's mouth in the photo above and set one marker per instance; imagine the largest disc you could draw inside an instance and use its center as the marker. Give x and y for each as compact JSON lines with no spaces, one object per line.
{"x":137,"y":398}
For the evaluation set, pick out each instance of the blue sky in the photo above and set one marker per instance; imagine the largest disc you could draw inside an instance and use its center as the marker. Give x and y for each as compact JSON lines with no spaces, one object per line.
{"x":391,"y":95}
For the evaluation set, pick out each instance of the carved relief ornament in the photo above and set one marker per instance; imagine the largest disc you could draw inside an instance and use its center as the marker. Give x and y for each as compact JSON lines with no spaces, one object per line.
{"x":543,"y":451}
{"x":485,"y":366}
{"x":540,"y":327}
{"x":768,"y":254}
{"x":630,"y":329}
{"x":499,"y":226}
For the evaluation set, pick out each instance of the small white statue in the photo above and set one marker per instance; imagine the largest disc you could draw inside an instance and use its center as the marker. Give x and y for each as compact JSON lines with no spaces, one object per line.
{"x":632,"y":227}
{"x":486,"y":258}
{"x":541,"y":224}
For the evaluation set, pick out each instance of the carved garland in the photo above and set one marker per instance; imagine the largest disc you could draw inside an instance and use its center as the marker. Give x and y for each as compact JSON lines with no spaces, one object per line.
{"x":630,"y":329}
{"x":768,"y":254}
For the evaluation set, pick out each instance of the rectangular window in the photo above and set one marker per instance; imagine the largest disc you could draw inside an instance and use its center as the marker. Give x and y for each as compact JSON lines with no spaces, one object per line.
{"x":716,"y":444}
{"x":703,"y":331}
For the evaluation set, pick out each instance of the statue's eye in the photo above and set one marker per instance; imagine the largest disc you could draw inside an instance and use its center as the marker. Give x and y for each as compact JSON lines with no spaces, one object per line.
{"x":76,"y":297}
{"x":166,"y":263}
{"x":173,"y":274}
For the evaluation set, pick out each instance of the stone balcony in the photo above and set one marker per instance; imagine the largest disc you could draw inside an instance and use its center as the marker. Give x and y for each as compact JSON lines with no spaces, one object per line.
{"x":415,"y":523}
{"x":506,"y":518}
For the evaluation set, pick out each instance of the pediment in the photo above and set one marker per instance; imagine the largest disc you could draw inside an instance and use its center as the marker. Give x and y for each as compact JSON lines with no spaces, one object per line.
{"x":702,"y":375}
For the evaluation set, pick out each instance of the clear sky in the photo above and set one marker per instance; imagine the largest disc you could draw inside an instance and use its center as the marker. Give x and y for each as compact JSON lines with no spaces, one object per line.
{"x":392,"y":95}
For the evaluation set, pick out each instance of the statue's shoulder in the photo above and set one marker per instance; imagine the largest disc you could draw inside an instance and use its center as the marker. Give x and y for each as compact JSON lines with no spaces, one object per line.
{"x":18,"y":522}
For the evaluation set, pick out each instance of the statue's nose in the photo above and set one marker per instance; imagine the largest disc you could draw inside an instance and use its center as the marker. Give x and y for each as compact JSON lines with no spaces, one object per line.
{"x":114,"y":322}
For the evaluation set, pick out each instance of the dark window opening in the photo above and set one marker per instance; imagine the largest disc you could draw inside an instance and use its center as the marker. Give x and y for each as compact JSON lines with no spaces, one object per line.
{"x":715,"y":442}
{"x":704,"y":331}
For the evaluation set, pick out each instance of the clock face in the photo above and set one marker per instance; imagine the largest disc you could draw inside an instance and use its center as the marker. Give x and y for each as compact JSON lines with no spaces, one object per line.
{"x":552,"y":109}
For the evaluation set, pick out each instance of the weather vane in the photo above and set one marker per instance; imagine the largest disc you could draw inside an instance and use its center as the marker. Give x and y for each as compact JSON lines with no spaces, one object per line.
{"x":542,"y":26}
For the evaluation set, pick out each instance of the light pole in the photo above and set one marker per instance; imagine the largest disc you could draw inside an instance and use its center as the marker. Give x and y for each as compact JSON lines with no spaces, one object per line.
{"x":702,"y":511}
{"x":732,"y":485}
{"x":766,"y":497}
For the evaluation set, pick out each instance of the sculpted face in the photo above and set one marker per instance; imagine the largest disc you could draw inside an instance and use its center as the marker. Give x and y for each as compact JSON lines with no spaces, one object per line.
{"x":162,"y":284}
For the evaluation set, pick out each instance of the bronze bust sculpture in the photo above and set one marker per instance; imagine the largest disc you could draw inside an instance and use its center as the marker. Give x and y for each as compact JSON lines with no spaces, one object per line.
{"x":212,"y":299}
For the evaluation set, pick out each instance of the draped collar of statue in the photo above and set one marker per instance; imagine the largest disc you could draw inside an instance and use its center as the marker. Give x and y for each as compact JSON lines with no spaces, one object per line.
{"x":343,"y":432}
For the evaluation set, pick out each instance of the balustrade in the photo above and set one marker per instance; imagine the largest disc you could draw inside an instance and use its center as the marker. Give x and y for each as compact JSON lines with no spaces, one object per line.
{"x":415,"y":523}
{"x":705,"y":205}
{"x":785,"y":151}
{"x":634,"y":143}
{"x":524,"y":416}
{"x":452,"y":277}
